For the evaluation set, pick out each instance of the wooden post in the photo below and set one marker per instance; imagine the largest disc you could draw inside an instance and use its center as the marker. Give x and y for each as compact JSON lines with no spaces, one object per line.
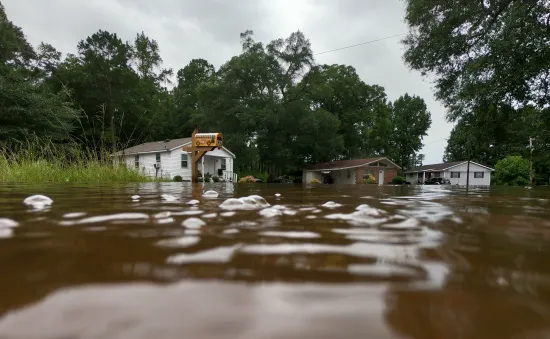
{"x":197,"y":152}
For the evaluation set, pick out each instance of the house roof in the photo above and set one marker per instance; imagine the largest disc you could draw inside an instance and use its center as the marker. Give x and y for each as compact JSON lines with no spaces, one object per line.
{"x":343,"y":164}
{"x":160,"y":146}
{"x":442,"y":166}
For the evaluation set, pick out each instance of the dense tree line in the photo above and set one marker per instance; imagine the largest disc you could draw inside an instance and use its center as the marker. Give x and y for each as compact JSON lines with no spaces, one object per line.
{"x":491,"y":64}
{"x":277,"y":107}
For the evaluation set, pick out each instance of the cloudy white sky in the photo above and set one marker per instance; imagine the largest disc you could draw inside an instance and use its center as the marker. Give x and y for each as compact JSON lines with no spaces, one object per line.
{"x":210,"y":29}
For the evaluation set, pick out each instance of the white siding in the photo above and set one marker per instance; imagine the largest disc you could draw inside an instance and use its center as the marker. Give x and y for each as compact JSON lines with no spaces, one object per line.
{"x":344,"y":177}
{"x":171,"y":163}
{"x":485,"y":181}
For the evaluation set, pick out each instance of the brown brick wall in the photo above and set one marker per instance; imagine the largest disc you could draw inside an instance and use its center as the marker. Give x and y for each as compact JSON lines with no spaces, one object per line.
{"x":389,"y":174}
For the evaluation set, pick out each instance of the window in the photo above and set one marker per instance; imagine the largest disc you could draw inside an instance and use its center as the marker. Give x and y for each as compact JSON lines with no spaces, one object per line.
{"x":437,"y":174}
{"x":136,"y":160}
{"x":224,"y":164}
{"x":455,"y":175}
{"x":158,"y":157}
{"x":478,"y":175}
{"x":184,"y":158}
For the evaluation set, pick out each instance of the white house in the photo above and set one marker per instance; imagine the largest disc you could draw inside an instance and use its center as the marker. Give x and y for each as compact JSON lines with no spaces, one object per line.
{"x":456,"y":172}
{"x":170,"y":159}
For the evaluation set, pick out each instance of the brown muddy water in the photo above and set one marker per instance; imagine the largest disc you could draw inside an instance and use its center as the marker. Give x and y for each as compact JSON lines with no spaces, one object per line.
{"x":318,"y":262}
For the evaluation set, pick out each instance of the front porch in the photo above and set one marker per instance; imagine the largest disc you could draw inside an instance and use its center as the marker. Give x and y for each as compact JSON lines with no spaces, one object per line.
{"x":212,"y":166}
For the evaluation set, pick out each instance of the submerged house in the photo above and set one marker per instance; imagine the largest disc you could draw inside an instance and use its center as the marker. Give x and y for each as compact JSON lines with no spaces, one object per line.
{"x":352,"y":171}
{"x":168,"y":159}
{"x":456,"y":172}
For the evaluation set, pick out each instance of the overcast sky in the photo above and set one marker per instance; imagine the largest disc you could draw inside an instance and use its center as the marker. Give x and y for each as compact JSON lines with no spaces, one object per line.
{"x":210,"y":29}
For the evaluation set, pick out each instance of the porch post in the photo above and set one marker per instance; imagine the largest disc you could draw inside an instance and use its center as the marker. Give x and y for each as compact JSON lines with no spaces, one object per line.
{"x":423,"y":177}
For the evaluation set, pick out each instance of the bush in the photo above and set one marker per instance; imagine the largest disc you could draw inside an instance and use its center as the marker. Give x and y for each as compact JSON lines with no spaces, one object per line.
{"x":371,"y":179}
{"x":315,"y":182}
{"x":513,"y":171}
{"x":215,"y":178}
{"x":247,"y":179}
{"x":398,"y":180}
{"x":178,"y":178}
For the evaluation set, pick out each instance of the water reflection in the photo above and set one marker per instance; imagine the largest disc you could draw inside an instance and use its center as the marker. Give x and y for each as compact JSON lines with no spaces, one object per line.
{"x":308,"y":262}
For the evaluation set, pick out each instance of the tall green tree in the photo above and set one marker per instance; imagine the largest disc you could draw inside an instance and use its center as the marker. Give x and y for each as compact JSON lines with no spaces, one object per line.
{"x":481,"y":52}
{"x":410,"y":121}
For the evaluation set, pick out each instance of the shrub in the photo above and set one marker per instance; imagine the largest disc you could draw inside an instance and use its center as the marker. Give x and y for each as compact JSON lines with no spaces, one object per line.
{"x":315,"y":182}
{"x":398,"y":180}
{"x":512,"y":170}
{"x":178,"y":178}
{"x":371,"y":179}
{"x":247,"y":179}
{"x":215,"y":178}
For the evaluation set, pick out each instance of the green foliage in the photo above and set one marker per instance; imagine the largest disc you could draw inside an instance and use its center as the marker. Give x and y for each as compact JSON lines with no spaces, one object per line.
{"x":410,"y":120}
{"x":371,"y":179}
{"x":314,"y":182}
{"x":512,"y":170}
{"x":42,"y":161}
{"x":215,"y":179}
{"x":277,"y":108}
{"x":398,"y":180}
{"x":178,"y":178}
{"x":481,"y":51}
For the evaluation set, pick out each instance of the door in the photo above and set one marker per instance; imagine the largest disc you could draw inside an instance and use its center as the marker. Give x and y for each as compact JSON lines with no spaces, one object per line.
{"x":381,"y":177}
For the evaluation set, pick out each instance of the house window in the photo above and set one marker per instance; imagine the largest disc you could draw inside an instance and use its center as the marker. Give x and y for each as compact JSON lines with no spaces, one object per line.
{"x":455,"y":175}
{"x":437,"y":174}
{"x":224,"y":164}
{"x":184,"y":158}
{"x":136,"y":160}
{"x":478,"y":175}
{"x":157,"y":157}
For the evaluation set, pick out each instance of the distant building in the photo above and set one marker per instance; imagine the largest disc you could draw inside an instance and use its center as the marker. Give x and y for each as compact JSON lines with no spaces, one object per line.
{"x":456,"y":172}
{"x":171,"y":160}
{"x":352,"y":171}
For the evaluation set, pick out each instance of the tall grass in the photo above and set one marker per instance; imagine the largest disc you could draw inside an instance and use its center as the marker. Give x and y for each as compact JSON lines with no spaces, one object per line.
{"x":42,"y":161}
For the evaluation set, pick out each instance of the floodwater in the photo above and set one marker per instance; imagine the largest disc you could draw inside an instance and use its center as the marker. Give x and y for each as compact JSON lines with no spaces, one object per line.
{"x":318,"y":262}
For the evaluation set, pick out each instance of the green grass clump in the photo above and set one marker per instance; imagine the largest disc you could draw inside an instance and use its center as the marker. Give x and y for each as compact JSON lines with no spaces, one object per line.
{"x":47,"y":162}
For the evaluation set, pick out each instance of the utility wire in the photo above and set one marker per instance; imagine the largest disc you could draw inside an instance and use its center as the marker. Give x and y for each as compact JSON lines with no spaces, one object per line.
{"x":360,"y":44}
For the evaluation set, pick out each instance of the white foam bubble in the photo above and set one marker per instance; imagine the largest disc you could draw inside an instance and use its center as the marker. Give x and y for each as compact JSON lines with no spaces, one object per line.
{"x":162,"y":215}
{"x":270,"y":212}
{"x":169,"y":197}
{"x":165,"y":221}
{"x":8,"y":223}
{"x":331,"y":204}
{"x":245,"y":203}
{"x":359,"y":218}
{"x":135,"y":197}
{"x":311,"y":217}
{"x":104,"y":218}
{"x":308,"y":208}
{"x":228,"y":214}
{"x":38,"y":201}
{"x":216,"y":255}
{"x":372,"y":211}
{"x":6,"y":233}
{"x":277,"y":194}
{"x":210,"y":216}
{"x":231,"y":231}
{"x":193,"y":202}
{"x":193,"y":223}
{"x":410,"y":223}
{"x":211,"y":194}
{"x":185,"y":241}
{"x":291,"y":234}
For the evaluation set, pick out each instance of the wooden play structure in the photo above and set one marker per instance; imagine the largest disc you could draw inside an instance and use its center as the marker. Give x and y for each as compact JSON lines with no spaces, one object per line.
{"x":201,"y":144}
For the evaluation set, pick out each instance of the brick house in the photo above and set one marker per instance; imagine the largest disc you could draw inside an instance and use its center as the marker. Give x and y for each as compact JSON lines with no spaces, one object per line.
{"x":352,"y":171}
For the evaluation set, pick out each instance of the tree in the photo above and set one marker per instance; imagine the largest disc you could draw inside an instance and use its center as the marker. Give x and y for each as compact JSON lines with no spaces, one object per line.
{"x":410,"y":120}
{"x":481,"y":51}
{"x":512,"y":170}
{"x":28,"y":108}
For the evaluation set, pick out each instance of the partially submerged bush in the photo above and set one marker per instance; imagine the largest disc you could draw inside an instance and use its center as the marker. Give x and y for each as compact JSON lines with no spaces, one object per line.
{"x":315,"y":182}
{"x":371,"y":179}
{"x":178,"y":178}
{"x":215,"y":178}
{"x":248,"y":179}
{"x":398,"y":180}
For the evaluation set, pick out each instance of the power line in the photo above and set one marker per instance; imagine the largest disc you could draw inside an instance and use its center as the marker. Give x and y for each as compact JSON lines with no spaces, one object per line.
{"x":360,"y":44}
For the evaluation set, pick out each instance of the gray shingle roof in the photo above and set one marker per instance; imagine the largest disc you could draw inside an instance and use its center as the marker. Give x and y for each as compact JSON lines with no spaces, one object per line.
{"x":343,"y":164}
{"x":156,"y":146}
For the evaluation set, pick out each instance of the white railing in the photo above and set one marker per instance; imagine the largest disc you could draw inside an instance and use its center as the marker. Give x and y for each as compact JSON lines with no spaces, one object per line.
{"x":229,"y":176}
